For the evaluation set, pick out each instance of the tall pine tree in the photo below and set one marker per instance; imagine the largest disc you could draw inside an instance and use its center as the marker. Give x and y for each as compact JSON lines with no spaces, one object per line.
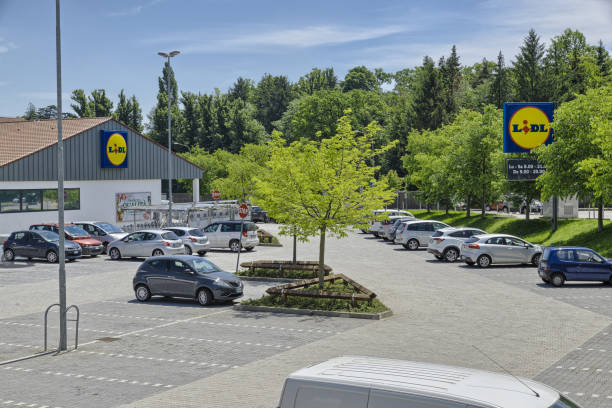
{"x":158,"y":118}
{"x":529,"y":70}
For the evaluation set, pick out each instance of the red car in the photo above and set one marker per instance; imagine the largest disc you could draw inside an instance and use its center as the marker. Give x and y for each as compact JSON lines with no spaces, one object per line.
{"x":89,"y":245}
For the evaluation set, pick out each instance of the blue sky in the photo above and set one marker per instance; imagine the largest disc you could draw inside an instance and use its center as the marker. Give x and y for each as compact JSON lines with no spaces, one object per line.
{"x":113,"y":44}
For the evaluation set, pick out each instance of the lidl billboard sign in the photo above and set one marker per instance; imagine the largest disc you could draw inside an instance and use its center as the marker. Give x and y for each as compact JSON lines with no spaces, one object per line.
{"x":114,"y":149}
{"x":527,"y":125}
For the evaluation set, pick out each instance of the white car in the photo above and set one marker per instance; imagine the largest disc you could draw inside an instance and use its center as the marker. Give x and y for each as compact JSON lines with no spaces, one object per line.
{"x":369,"y":382}
{"x":226,"y":234}
{"x":388,"y":231}
{"x":488,"y":249}
{"x":415,"y":234}
{"x":381,"y":216}
{"x":445,"y":244}
{"x":142,"y":244}
{"x":194,"y":239}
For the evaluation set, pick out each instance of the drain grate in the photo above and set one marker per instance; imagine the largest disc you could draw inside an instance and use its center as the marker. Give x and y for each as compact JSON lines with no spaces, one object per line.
{"x":108,"y":339}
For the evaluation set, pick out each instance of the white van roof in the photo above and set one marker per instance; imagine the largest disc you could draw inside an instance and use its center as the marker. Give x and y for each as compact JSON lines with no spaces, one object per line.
{"x":465,"y":385}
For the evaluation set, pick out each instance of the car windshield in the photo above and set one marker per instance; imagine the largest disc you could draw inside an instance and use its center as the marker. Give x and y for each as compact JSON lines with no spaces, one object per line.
{"x":564,"y":403}
{"x":202,"y":266}
{"x":49,"y":236}
{"x":109,"y":228}
{"x":196,"y":233}
{"x":169,"y":235}
{"x":76,"y":231}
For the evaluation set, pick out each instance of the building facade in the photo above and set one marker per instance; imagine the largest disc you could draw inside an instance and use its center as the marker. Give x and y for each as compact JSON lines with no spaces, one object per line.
{"x":108,"y":166}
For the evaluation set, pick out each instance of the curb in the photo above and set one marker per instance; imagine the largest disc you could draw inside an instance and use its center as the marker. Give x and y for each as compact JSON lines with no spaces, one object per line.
{"x":310,"y":312}
{"x":270,"y":245}
{"x":264,"y":279}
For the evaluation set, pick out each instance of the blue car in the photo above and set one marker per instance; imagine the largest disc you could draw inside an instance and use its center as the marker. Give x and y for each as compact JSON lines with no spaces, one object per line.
{"x":38,"y":244}
{"x":560,"y":264}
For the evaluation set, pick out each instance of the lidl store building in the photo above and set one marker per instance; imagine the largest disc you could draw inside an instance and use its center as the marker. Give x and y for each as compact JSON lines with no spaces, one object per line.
{"x":107,"y":166}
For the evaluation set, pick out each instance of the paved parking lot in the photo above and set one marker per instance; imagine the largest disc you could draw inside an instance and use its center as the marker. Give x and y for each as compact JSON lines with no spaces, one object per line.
{"x":171,"y":352}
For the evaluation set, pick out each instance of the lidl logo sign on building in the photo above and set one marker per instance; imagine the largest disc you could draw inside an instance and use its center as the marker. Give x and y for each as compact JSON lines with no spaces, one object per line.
{"x":114,"y":149}
{"x":527,"y":126}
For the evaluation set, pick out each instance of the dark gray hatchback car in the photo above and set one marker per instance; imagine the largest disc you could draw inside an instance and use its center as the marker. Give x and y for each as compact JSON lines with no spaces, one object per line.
{"x":185,"y":276}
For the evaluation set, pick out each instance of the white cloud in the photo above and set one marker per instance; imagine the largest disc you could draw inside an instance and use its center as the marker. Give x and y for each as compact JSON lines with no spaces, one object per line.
{"x":6,"y":46}
{"x":310,"y":36}
{"x":132,"y":11}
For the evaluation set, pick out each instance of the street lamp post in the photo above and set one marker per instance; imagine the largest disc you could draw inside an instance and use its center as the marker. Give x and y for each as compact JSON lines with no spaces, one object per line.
{"x":168,"y":56}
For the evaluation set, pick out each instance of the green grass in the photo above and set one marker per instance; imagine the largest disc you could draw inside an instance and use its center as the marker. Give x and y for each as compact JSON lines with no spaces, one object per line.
{"x":578,"y":232}
{"x":336,"y":305}
{"x":275,"y":273}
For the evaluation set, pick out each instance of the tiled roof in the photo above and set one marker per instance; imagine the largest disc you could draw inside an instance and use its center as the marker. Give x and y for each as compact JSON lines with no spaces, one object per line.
{"x":22,"y":138}
{"x":4,"y":119}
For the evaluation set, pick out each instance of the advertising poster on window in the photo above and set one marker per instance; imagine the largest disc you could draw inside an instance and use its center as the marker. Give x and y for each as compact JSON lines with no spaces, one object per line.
{"x":126,"y":200}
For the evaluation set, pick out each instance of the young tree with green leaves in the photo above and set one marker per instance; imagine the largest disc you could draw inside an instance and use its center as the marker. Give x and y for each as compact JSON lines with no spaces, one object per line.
{"x":323,"y":187}
{"x":100,"y":105}
{"x":81,"y":105}
{"x":579,"y":160}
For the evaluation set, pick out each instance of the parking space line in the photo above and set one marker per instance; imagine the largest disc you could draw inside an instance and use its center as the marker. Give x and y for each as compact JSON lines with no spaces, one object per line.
{"x":249,"y":326}
{"x":215,"y":341}
{"x":573,"y":368}
{"x":9,"y":403}
{"x":55,"y":327}
{"x":80,"y":376}
{"x":170,"y":360}
{"x":18,"y":345}
{"x":582,"y":394}
{"x":592,"y":349}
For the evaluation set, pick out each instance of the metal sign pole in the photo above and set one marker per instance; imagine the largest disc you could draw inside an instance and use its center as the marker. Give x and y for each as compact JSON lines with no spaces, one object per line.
{"x":60,"y":184}
{"x":240,"y":244}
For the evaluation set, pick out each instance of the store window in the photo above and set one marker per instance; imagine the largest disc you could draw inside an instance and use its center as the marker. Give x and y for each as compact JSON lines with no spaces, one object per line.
{"x":10,"y":201}
{"x":38,"y":200}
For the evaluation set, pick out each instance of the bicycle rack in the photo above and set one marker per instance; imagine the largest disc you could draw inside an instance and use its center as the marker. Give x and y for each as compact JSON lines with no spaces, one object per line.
{"x":76,"y":320}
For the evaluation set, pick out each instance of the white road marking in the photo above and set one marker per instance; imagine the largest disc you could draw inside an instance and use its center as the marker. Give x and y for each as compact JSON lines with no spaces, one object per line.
{"x":598,"y":370}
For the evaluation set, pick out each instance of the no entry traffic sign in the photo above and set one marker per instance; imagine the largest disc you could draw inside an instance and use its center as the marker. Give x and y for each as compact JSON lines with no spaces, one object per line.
{"x":216,"y":195}
{"x":243,"y":211}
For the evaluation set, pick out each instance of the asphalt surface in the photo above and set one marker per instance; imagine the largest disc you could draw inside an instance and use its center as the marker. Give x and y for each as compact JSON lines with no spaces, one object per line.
{"x":173,"y":352}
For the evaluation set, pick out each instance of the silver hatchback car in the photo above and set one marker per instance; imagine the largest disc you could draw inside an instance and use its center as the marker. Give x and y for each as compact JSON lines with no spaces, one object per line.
{"x":445,"y":244}
{"x":146,"y":243}
{"x":415,"y":234}
{"x":488,"y":249}
{"x":194,"y":240}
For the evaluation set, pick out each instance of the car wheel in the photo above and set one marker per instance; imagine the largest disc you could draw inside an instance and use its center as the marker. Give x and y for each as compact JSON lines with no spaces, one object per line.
{"x":413,"y":244}
{"x":188,"y":250}
{"x":557,"y":279}
{"x":205,"y":298}
{"x":157,"y":252}
{"x":249,"y":249}
{"x":506,"y":210}
{"x":142,"y":293}
{"x":536,"y":259}
{"x":52,"y":257}
{"x":9,"y":255}
{"x":484,"y":261}
{"x":114,"y":254}
{"x":202,"y":253}
{"x":451,"y":254}
{"x":234,"y":245}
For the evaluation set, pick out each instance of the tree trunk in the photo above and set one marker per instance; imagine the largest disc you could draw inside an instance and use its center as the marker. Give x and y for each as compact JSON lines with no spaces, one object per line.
{"x":600,"y":214}
{"x":447,"y":209}
{"x":294,"y":249}
{"x":527,"y":209}
{"x":484,"y":197}
{"x":322,"y":258}
{"x":467,"y":207}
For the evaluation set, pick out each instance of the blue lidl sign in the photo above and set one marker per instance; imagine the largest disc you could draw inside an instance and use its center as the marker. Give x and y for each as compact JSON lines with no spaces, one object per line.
{"x":113,"y":149}
{"x":527,"y":125}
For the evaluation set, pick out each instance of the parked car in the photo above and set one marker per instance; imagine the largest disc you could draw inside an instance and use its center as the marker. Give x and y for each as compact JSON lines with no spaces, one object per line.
{"x":194,"y":239}
{"x":535,"y":207}
{"x":185,"y":276}
{"x":89,"y":245}
{"x":390,"y":226}
{"x":368,"y":382}
{"x":146,"y":243}
{"x":445,"y":244}
{"x":102,"y":231}
{"x":38,"y":244}
{"x":226,"y":234}
{"x":415,"y":234}
{"x":488,"y":249}
{"x":381,"y":217}
{"x":258,"y":214}
{"x":560,"y":264}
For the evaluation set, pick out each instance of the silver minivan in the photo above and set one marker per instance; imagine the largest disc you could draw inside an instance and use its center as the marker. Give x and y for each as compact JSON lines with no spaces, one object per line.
{"x":415,"y":234}
{"x":194,"y":240}
{"x":368,"y":382}
{"x":226,"y":234}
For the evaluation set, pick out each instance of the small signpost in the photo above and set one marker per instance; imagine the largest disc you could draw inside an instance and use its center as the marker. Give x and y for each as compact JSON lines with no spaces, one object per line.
{"x":243,"y":212}
{"x":216,"y":195}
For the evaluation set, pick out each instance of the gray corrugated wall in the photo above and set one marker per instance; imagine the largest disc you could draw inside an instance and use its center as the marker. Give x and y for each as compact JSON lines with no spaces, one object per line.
{"x":146,"y":160}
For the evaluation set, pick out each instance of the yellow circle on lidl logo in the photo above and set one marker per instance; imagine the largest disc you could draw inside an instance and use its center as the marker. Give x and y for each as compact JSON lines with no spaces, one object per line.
{"x":116,"y":149}
{"x":529,"y":127}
